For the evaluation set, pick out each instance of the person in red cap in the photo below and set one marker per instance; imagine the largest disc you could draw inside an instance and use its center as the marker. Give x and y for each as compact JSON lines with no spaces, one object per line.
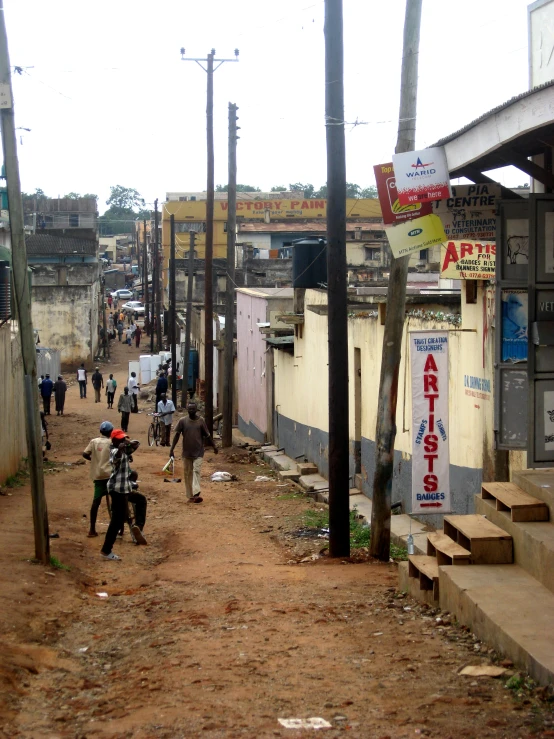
{"x":122,"y":489}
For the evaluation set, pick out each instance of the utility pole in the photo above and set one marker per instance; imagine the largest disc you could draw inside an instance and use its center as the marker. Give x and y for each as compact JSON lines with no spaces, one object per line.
{"x":23,"y":304}
{"x":339,"y":503}
{"x":186,"y":358}
{"x":158,"y":278}
{"x":137,"y":248}
{"x":154,"y":275}
{"x":385,"y":434}
{"x":103,"y":309}
{"x":208,"y":294}
{"x":145,"y":283}
{"x":172,"y":333}
{"x":228,"y":378}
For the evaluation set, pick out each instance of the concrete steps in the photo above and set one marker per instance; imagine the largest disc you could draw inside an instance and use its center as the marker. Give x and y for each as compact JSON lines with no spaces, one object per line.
{"x":539,"y":484}
{"x":510,"y":498}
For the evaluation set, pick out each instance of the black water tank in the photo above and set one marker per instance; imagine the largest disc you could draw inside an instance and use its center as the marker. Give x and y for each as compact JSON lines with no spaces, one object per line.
{"x":309,"y":263}
{"x":5,"y":291}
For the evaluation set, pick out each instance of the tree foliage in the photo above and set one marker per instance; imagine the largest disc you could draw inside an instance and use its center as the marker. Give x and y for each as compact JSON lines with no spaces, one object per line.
{"x":125,"y":206}
{"x":240,"y":188}
{"x":78,"y":196}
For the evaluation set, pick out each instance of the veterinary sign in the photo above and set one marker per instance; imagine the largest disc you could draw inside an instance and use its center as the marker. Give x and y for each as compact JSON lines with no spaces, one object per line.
{"x":470,"y":212}
{"x":392,"y":211}
{"x":421,"y":233}
{"x":421,"y":176}
{"x":430,"y":452}
{"x":468,"y":260}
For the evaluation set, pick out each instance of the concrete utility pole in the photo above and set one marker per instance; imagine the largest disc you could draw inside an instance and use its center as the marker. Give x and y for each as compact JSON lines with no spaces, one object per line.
{"x":208,"y":294}
{"x":159,"y":300}
{"x":186,"y":358}
{"x":172,"y":332}
{"x":154,"y":275}
{"x":339,"y":512}
{"x":385,"y":434}
{"x":228,"y":379}
{"x":23,"y":302}
{"x":147,"y":325}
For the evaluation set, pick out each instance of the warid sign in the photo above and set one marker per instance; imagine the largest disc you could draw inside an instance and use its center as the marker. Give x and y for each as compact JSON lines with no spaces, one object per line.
{"x":468,"y":260}
{"x":421,"y":233}
{"x":430,"y":454}
{"x":421,"y":176}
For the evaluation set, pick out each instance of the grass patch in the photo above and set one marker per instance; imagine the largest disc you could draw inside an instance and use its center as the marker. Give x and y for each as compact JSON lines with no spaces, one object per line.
{"x":399,"y":554}
{"x":17,"y":480}
{"x":55,"y":562}
{"x":290,"y":496}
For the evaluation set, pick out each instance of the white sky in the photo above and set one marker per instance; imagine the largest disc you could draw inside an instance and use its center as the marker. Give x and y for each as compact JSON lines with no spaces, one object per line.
{"x":110,"y":102}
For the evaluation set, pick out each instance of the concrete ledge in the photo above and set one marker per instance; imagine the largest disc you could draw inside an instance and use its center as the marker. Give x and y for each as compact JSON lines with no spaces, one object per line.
{"x":533,"y":541}
{"x":280,"y":461}
{"x":508,"y":609}
{"x":288,"y":475}
{"x":315,"y":482}
{"x":240,"y":440}
{"x":539,"y":484}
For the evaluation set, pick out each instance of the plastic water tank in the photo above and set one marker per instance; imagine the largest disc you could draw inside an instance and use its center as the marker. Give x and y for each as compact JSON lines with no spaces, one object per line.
{"x":309,"y":263}
{"x":5,"y":291}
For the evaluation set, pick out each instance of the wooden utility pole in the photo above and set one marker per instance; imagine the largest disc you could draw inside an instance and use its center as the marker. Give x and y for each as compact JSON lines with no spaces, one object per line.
{"x":154,"y":275}
{"x":159,"y":302}
{"x":208,"y":287}
{"x":339,"y":510}
{"x":385,"y":434}
{"x":186,"y":358}
{"x":137,"y":241}
{"x":228,"y":377}
{"x":23,"y":304}
{"x":172,"y":332}
{"x":147,"y":324}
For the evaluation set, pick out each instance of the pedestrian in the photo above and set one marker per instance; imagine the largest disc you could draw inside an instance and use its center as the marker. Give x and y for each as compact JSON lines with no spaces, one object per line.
{"x":138,"y":334}
{"x":110,"y":301}
{"x":166,"y":409}
{"x":122,"y":490}
{"x":110,"y":322}
{"x":134,"y":387}
{"x":98,"y":454}
{"x":111,"y":387}
{"x":46,"y":446}
{"x":41,"y":378}
{"x":194,"y":432}
{"x":46,"y":389}
{"x":129,"y":335}
{"x":60,"y":389}
{"x":120,"y":329}
{"x":125,"y":406}
{"x":161,"y":387}
{"x":82,"y":380}
{"x":97,"y":383}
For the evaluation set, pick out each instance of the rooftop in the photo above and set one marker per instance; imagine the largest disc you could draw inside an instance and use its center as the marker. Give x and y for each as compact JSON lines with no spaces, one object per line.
{"x":267,"y":292}
{"x":47,"y":244}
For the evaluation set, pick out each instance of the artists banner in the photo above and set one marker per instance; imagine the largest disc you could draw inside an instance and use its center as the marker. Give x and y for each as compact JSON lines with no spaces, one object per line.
{"x":430,"y":453}
{"x":468,"y":260}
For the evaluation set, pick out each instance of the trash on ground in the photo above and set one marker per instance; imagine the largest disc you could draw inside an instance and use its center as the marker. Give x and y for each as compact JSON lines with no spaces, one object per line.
{"x":483,"y":671}
{"x":222,"y":477}
{"x":102,"y":595}
{"x":305,"y":723}
{"x":263,"y":478}
{"x":83,"y":649}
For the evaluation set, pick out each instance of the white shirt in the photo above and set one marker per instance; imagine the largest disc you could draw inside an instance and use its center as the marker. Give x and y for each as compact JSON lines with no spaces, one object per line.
{"x":169,"y":408}
{"x":132,"y":384}
{"x":81,"y":375}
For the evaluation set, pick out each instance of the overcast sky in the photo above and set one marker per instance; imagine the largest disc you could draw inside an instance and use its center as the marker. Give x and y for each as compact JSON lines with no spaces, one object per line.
{"x":109,"y":101}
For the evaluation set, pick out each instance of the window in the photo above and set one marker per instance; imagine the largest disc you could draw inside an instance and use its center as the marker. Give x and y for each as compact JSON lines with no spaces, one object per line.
{"x":373,"y":253}
{"x":186,"y":226}
{"x":424,"y":255}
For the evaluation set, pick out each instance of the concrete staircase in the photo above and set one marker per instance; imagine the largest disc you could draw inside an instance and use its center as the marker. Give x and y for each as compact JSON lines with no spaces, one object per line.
{"x":494,"y":570}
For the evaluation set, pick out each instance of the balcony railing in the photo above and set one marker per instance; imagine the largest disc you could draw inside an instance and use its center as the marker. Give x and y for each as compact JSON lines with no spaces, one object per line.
{"x":60,"y":220}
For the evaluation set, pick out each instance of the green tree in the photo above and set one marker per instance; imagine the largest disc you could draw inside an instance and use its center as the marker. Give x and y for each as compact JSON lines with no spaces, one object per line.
{"x":125,"y":206}
{"x":308,"y":190}
{"x":126,"y":198}
{"x":78,"y":196}
{"x":278,"y":189}
{"x":240,"y":188}
{"x":369,"y":192}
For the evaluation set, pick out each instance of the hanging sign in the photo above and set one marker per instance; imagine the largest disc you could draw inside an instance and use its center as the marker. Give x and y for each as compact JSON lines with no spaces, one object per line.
{"x":470,"y":213}
{"x":391,"y":209}
{"x":421,"y":233}
{"x":430,"y":456}
{"x":421,"y":176}
{"x":468,"y":260}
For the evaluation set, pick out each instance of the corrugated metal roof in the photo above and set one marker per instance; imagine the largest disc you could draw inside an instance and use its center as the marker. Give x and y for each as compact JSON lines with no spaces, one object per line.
{"x":46,"y":244}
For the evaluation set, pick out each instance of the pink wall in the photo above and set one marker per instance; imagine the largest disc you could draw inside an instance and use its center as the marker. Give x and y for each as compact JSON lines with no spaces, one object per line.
{"x":251,"y":352}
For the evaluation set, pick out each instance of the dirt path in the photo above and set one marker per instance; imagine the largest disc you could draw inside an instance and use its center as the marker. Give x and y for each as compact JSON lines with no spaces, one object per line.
{"x":210,"y":630}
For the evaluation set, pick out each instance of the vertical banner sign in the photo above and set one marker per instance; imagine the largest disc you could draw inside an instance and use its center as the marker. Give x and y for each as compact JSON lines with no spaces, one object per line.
{"x":430,"y":457}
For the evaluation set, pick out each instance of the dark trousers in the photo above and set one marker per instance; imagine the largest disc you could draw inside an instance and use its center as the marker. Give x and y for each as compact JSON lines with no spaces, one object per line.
{"x":135,"y":402}
{"x":82,"y":389}
{"x":110,"y":399}
{"x":119,"y":516}
{"x":60,"y":404}
{"x":166,"y":434}
{"x":124,"y":420}
{"x":46,"y":405}
{"x":139,"y":504}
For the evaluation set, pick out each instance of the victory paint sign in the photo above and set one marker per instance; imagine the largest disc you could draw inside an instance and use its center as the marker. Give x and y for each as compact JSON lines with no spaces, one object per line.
{"x":430,"y":456}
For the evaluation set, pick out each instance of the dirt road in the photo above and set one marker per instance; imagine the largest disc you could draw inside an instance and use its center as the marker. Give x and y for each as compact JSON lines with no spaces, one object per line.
{"x":215,"y":629}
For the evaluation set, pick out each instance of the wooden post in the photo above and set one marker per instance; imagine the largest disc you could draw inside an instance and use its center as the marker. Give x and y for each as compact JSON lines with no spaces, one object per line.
{"x":385,"y":434}
{"x":148,"y":325}
{"x":186,"y":358}
{"x":208,"y":286}
{"x":172,"y":331}
{"x":228,"y":380}
{"x":159,"y":301}
{"x":23,"y":306}
{"x":339,"y":512}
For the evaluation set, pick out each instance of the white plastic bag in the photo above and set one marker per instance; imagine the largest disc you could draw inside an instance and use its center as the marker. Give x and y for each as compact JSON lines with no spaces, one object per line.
{"x":222,"y":477}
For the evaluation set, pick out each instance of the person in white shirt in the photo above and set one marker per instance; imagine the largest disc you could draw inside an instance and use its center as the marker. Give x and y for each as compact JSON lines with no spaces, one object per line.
{"x":129,"y":335}
{"x":166,"y":409}
{"x":82,"y":380}
{"x":133,"y":386}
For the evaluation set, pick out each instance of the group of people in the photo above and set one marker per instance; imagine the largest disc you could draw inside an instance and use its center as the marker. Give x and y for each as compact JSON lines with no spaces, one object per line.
{"x":47,"y":388}
{"x":116,"y":324}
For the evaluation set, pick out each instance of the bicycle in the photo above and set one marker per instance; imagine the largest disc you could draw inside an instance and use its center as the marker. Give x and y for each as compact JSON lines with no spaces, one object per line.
{"x":155,"y":430}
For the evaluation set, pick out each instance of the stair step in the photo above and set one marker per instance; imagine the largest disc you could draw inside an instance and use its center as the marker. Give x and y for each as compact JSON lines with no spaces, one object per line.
{"x":307,"y":468}
{"x":510,"y":497}
{"x":288,"y":475}
{"x":410,"y":586}
{"x":426,"y":569}
{"x":488,"y":544}
{"x":539,"y":484}
{"x":508,"y":609}
{"x":446,"y":550}
{"x":533,"y":541}
{"x":312,"y":483}
{"x":281,"y":462}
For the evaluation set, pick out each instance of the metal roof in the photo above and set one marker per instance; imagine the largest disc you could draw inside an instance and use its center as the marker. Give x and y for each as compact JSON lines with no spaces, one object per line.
{"x":281,"y":342}
{"x":47,"y":244}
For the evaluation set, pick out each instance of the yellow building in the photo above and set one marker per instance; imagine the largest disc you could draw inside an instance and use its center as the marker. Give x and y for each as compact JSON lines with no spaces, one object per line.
{"x":191,"y":216}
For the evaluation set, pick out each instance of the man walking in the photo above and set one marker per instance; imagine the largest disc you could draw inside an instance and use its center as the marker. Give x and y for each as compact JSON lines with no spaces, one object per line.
{"x":166,"y":409}
{"x":82,"y":380}
{"x":161,"y":387}
{"x":60,"y":389}
{"x":97,"y":383}
{"x":133,"y":386}
{"x":138,"y":334}
{"x":111,"y":387}
{"x":129,"y":335}
{"x":194,"y":433}
{"x":125,"y":406}
{"x":46,"y":389}
{"x":120,"y":329}
{"x":98,"y":454}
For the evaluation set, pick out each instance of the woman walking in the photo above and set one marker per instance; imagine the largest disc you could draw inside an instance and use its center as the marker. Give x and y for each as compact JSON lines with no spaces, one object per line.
{"x":60,"y":389}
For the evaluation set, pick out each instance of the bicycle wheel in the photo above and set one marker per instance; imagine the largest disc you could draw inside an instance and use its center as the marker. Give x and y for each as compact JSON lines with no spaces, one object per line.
{"x":151,"y":434}
{"x":158,"y":433}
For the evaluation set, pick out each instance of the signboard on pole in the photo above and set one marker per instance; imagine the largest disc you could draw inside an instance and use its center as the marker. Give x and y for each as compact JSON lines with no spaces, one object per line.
{"x":411,"y":236}
{"x":468,"y":260}
{"x":470,"y":214}
{"x":391,"y":209}
{"x":430,"y":454}
{"x":421,"y":176}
